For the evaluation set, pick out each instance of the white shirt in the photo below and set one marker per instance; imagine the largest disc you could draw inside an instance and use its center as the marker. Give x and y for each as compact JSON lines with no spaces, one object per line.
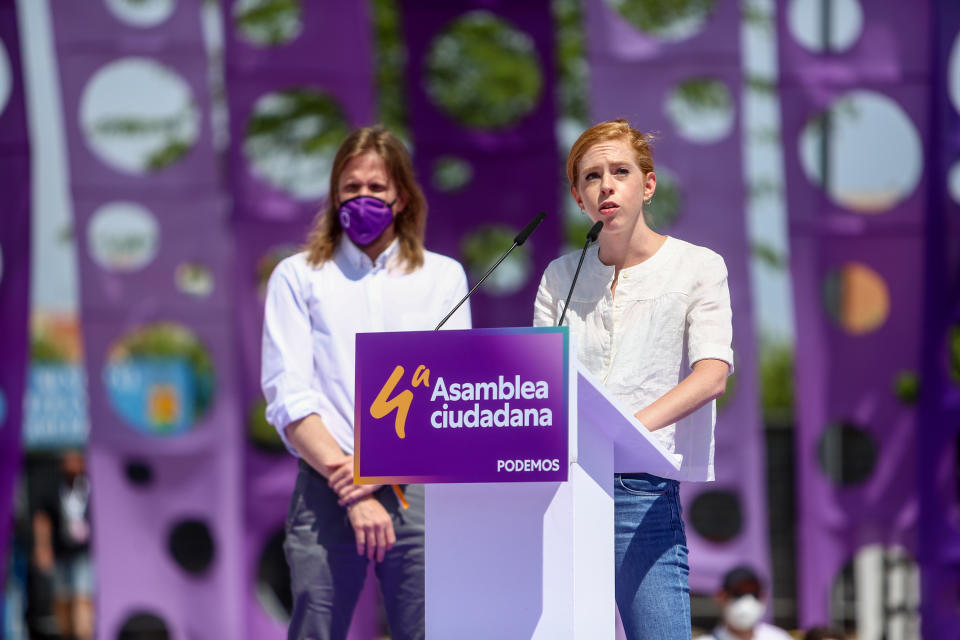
{"x":313,"y":314}
{"x":670,"y":311}
{"x":762,"y":631}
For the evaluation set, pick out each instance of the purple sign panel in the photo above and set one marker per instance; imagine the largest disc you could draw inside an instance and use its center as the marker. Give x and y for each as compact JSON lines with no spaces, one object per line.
{"x":487,"y":405}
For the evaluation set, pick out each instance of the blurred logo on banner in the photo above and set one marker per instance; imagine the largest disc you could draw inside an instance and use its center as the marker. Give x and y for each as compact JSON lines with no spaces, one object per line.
{"x":153,"y":395}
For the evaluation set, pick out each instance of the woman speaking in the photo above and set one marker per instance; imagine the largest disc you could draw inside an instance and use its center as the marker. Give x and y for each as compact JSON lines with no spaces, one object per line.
{"x":652,"y":318}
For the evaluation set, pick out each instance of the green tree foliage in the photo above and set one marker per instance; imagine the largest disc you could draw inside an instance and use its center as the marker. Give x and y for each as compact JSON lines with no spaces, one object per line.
{"x":268,"y":22}
{"x":768,"y":255}
{"x":170,"y":130}
{"x":261,"y":432}
{"x":45,"y":350}
{"x":168,"y":155}
{"x":391,"y":60}
{"x":481,"y":248}
{"x":281,"y":126}
{"x":906,"y":387}
{"x":571,"y":60}
{"x":663,"y":18}
{"x":665,"y":206}
{"x":483,"y":72}
{"x":777,"y":380}
{"x":704,"y":94}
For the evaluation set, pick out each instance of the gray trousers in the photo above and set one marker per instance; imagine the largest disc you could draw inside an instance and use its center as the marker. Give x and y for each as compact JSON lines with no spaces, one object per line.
{"x":327,"y":575}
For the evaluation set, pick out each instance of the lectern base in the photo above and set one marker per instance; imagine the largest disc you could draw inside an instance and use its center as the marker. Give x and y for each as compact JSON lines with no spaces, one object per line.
{"x":521,"y":560}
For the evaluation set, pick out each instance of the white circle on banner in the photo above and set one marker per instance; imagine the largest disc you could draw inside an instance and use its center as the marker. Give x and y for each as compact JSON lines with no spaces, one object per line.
{"x":138,"y":115}
{"x":291,"y":138}
{"x":843,"y":150}
{"x":953,"y":71}
{"x":268,"y":23}
{"x":194,"y":279}
{"x":503,"y":81}
{"x":701,"y":110}
{"x":123,"y":236}
{"x":142,"y":13}
{"x":480,"y":249}
{"x":839,"y":32}
{"x":6,"y":77}
{"x":451,"y":173}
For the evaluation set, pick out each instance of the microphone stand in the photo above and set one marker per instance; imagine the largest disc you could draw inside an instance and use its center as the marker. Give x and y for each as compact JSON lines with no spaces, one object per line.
{"x":519,"y":240}
{"x":591,"y":237}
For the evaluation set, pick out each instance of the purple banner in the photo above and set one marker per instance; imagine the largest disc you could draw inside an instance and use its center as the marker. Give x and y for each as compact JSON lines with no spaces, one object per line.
{"x":646,"y":78}
{"x":296,"y":86}
{"x":938,"y":545}
{"x":299,"y":78}
{"x":487,"y":405}
{"x":154,"y":254}
{"x":856,"y":255}
{"x":455,"y":128}
{"x":14,"y":264}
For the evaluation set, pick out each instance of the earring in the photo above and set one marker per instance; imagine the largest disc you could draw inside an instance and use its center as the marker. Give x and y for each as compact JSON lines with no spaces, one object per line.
{"x":648,"y":200}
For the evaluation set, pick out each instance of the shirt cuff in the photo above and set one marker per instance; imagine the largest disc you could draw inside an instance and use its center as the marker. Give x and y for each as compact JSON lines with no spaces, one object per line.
{"x":712,"y":351}
{"x":282,"y":416}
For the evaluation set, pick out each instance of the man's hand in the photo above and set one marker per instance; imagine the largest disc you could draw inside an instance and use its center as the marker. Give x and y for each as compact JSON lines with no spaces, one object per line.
{"x":341,"y":481}
{"x":372,"y":527}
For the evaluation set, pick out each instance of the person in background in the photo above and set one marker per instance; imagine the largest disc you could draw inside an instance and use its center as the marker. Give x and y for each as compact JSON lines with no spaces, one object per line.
{"x":824,"y":633}
{"x":364,"y":269}
{"x":743,"y":604}
{"x":61,"y":544}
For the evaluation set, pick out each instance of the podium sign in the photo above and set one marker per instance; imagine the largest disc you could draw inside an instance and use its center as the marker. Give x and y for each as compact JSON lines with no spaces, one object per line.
{"x":481,"y":405}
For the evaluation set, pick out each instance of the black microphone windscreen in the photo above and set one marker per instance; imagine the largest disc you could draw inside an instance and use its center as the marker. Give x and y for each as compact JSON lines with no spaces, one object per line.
{"x":595,"y":231}
{"x":527,"y":230}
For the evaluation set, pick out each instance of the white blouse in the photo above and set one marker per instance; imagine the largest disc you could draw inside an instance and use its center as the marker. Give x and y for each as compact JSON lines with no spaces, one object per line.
{"x":670,"y":311}
{"x":313,"y":314}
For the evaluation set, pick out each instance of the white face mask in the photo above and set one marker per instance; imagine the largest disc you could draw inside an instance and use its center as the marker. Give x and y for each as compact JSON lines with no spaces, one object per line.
{"x":743,"y":613}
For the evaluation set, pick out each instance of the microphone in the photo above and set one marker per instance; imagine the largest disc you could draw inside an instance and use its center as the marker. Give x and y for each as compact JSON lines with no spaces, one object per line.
{"x":591,"y":238}
{"x":527,"y":230}
{"x":519,"y":240}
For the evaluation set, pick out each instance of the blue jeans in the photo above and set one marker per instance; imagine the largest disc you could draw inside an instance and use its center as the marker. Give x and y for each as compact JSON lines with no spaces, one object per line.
{"x":652,"y":573}
{"x":327,"y":575}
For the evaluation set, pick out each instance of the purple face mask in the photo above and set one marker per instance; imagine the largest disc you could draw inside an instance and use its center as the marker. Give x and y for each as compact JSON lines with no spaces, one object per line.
{"x":364,"y":218}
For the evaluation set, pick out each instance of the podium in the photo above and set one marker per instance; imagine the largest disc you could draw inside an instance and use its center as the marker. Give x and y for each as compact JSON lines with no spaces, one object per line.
{"x":533,"y":560}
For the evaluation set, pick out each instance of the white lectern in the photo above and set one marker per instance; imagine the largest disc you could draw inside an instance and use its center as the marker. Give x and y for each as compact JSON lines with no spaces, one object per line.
{"x":513,"y":561}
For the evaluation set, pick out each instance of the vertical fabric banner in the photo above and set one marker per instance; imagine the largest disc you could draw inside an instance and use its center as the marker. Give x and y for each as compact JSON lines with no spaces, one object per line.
{"x":938,"y":547}
{"x":852,"y":92}
{"x":681,"y":81}
{"x":299,"y":79}
{"x":14,"y":263}
{"x":155,"y":264}
{"x":482,"y":117}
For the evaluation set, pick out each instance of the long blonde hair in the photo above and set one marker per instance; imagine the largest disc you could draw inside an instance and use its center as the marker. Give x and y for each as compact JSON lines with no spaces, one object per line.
{"x":409,"y":224}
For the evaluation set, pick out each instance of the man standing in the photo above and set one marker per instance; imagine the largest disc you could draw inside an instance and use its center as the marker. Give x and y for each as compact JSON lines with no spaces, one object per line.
{"x":364,"y":269}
